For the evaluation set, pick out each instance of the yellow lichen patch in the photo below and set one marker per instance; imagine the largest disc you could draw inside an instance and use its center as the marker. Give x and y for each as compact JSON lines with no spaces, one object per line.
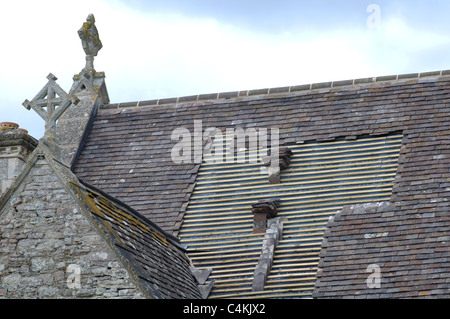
{"x":110,"y":213}
{"x":125,"y":219}
{"x":94,"y":209}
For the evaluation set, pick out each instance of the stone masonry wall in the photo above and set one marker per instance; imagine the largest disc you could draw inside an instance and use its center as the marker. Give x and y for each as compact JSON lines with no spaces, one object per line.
{"x":71,"y":126}
{"x":42,"y":232}
{"x":3,"y":175}
{"x":9,"y":169}
{"x":15,"y":146}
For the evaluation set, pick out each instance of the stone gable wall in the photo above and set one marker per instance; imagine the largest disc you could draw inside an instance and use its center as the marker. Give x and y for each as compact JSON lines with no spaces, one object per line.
{"x":42,"y":232}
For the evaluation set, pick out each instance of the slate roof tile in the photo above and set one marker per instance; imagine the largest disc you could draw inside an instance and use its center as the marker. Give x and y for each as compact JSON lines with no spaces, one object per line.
{"x":156,"y":258}
{"x":415,"y":104}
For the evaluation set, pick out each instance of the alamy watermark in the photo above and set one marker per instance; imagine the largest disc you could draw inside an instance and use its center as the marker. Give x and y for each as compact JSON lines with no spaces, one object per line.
{"x":74,"y":279}
{"x":235,"y":145}
{"x":374,"y":19}
{"x":374,"y":279}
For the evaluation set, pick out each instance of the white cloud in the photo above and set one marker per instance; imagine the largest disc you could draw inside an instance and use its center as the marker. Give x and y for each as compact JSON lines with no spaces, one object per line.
{"x":150,"y":55}
{"x":38,"y":37}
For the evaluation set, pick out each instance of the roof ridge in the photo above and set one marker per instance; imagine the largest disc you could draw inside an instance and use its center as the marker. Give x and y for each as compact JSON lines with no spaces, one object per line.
{"x":278,"y":90}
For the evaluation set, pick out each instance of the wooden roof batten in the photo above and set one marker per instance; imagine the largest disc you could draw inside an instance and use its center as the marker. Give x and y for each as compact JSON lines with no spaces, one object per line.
{"x":246,"y":264}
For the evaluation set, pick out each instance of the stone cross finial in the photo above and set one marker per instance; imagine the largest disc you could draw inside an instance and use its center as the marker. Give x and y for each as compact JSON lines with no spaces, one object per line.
{"x":90,"y":40}
{"x":50,"y":103}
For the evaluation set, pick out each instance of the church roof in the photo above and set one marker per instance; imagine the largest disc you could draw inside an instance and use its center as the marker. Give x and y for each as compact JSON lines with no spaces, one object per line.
{"x":408,"y":249}
{"x":155,"y":257}
{"x":128,"y":155}
{"x":322,"y":177}
{"x":155,"y":260}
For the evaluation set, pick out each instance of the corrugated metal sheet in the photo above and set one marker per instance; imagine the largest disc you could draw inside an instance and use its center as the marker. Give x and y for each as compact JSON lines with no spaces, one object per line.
{"x":321,"y":179}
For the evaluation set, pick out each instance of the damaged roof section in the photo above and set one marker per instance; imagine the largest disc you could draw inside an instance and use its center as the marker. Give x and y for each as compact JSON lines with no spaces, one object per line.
{"x":128,"y":155}
{"x":128,"y":151}
{"x":218,"y":226}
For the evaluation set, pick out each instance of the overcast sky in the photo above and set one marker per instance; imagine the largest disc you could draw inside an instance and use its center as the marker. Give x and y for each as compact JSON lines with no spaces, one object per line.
{"x":163,"y":48}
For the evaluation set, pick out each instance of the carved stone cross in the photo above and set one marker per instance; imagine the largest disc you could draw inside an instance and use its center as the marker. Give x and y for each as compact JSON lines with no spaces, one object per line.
{"x":50,"y":103}
{"x":90,"y":40}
